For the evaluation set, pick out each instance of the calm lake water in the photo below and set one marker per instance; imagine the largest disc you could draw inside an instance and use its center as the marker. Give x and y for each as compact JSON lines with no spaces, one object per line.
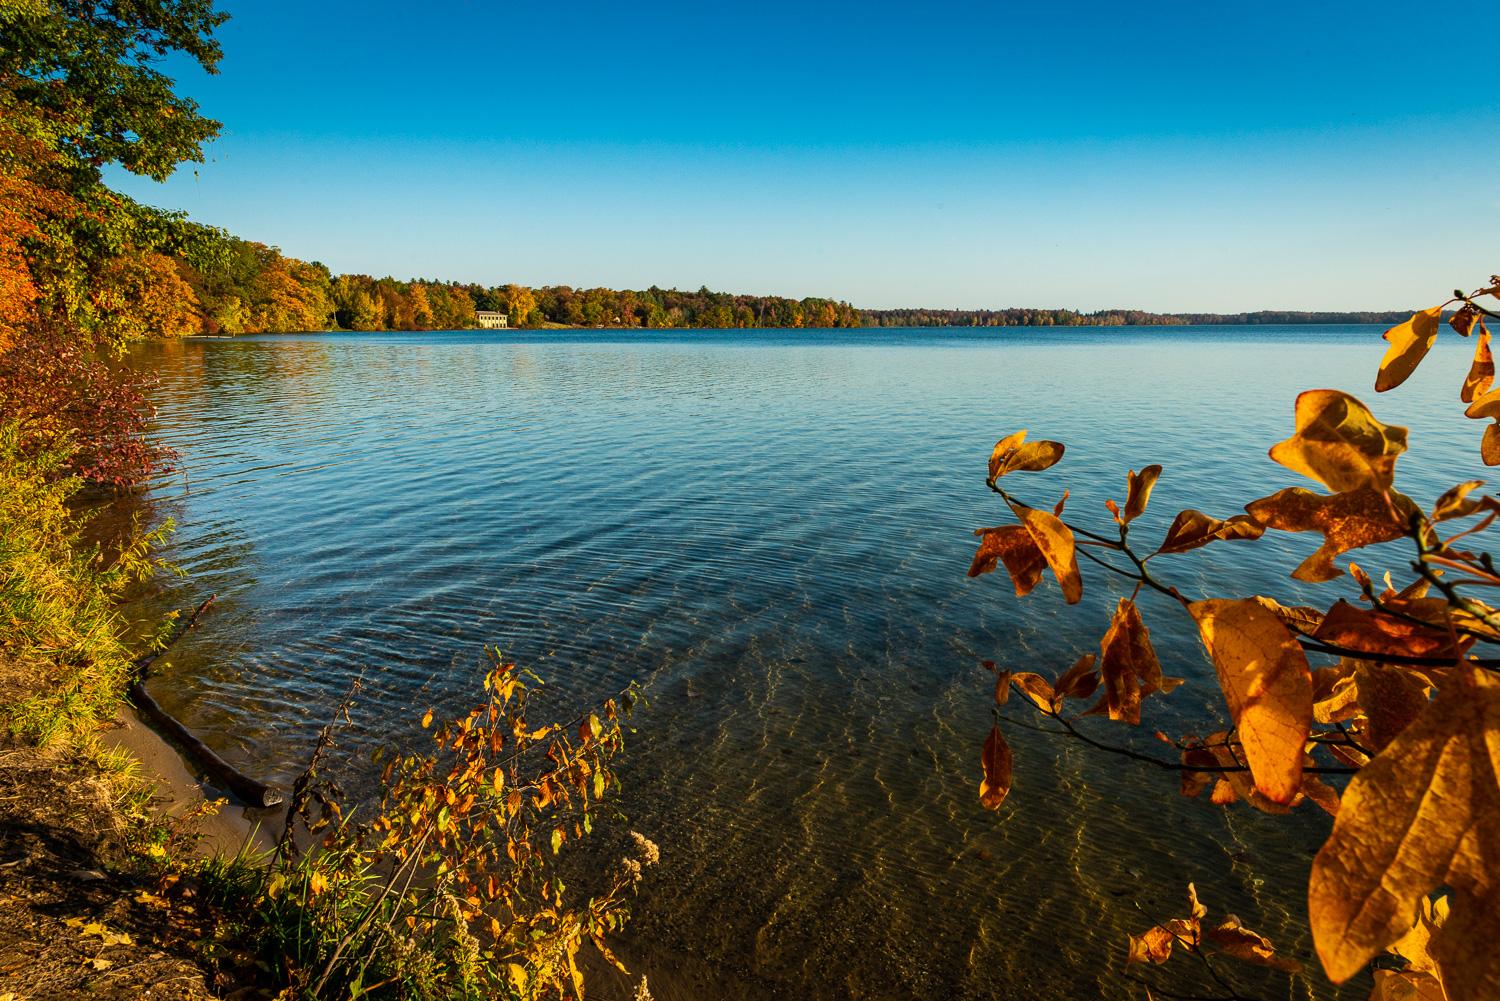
{"x":770,"y":531}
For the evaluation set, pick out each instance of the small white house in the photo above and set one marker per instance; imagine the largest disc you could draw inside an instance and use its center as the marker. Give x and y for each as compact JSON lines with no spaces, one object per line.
{"x":491,"y":319}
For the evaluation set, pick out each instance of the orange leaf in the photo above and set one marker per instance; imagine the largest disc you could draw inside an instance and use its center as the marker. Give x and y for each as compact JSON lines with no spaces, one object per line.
{"x":1422,"y":814}
{"x":1238,"y":942}
{"x":1151,"y":946}
{"x":1191,"y":529}
{"x":1410,"y":342}
{"x":1370,"y":631}
{"x":1405,"y":985}
{"x":1463,"y":321}
{"x":1455,"y":503}
{"x":1348,"y":521}
{"x":1267,"y":686}
{"x":1055,"y":540}
{"x":1128,"y":666}
{"x":1481,"y":372}
{"x":1013,"y":546}
{"x":997,"y":768}
{"x":1339,"y":443}
{"x":1392,"y":698}
{"x":1036,"y":688}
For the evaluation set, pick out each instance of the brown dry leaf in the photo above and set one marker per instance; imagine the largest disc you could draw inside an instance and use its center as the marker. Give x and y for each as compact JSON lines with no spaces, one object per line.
{"x":1055,"y":540}
{"x":1392,"y":698}
{"x":1455,"y":503}
{"x":1340,"y":702}
{"x":1489,"y":445}
{"x":1128,"y":666}
{"x":1325,"y":796}
{"x":1267,"y":686}
{"x":1423,"y":813}
{"x":1481,"y":371}
{"x":997,"y":768}
{"x":1410,"y":342}
{"x":1079,"y":681}
{"x":1464,"y":947}
{"x":1238,"y":942}
{"x":1138,"y":492}
{"x":1347,"y":520}
{"x":1191,"y":529}
{"x":1463,"y":321}
{"x":1002,"y":683}
{"x":1193,"y":783}
{"x":1339,"y":443}
{"x":1236,"y":785}
{"x":1011,"y":545}
{"x":1012,"y":456}
{"x":1298,"y":618}
{"x":1369,"y":631}
{"x":1404,"y":985}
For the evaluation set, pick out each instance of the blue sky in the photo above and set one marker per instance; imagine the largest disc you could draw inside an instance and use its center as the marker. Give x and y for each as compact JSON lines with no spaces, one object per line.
{"x":1203,"y":156}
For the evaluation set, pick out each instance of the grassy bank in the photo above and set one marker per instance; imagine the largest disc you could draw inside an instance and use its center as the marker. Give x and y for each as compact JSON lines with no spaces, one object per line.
{"x":446,"y":884}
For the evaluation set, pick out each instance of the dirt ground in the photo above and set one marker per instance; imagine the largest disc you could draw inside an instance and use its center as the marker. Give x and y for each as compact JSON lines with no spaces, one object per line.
{"x":80,"y":917}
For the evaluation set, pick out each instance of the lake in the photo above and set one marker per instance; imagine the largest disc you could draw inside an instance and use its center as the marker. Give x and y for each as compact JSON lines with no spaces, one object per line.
{"x":770,"y":531}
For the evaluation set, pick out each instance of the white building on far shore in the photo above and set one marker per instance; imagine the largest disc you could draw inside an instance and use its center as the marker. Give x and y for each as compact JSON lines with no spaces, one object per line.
{"x":491,"y":319}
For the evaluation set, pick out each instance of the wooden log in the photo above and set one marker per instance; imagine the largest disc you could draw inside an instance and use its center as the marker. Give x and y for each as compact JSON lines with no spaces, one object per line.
{"x":251,"y":791}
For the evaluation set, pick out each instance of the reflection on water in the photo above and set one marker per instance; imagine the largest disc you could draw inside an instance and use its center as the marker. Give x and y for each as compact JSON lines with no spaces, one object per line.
{"x":771,"y":531}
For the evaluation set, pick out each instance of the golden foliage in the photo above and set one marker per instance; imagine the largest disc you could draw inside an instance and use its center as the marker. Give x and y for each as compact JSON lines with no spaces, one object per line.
{"x":1405,"y":709}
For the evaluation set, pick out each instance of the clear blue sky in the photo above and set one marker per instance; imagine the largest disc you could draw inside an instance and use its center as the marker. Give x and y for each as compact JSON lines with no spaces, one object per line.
{"x":1171,"y":156}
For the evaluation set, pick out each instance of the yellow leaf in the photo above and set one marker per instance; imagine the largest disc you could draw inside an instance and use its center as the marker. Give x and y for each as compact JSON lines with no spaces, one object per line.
{"x":1405,"y":985}
{"x":1455,"y":503}
{"x":517,"y":974}
{"x":1036,"y":688}
{"x":427,"y":719}
{"x":1410,"y":342}
{"x":1191,"y":529}
{"x":1339,"y":443}
{"x":997,"y":770}
{"x":1423,"y":813}
{"x":1481,"y":371}
{"x":1361,"y":517}
{"x":1012,"y":456}
{"x":1138,"y":492}
{"x":317,"y":883}
{"x":1267,"y":686}
{"x":1055,"y":540}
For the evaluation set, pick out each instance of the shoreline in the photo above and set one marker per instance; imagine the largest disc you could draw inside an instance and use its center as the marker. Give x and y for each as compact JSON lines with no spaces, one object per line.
{"x":178,"y":789}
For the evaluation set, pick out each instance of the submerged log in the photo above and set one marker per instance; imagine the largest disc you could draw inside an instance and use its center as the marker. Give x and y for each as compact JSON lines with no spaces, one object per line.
{"x":251,"y":791}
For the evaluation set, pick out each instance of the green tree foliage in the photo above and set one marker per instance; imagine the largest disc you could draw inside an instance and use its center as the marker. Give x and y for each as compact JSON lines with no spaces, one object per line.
{"x":92,"y":62}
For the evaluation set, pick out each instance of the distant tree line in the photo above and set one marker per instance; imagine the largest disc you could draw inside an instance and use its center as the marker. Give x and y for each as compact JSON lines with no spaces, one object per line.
{"x":1018,"y":317}
{"x":184,"y":277}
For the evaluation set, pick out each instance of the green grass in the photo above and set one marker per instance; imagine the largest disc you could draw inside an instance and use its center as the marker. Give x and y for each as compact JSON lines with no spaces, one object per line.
{"x":59,"y":600}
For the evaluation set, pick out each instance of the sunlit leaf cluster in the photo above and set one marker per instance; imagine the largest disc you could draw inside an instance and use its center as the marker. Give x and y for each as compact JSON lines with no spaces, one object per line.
{"x":1381,"y":708}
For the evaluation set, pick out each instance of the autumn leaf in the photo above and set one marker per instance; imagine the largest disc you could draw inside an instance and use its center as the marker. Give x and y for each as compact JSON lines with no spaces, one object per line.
{"x":1037,"y":689}
{"x":1238,"y":942}
{"x":1489,"y":445}
{"x":1297,"y":618}
{"x":997,"y":768}
{"x":1368,"y":630}
{"x":1191,"y":529}
{"x":1348,"y":521}
{"x":1455,"y":502}
{"x":1079,"y":681}
{"x":1128,"y":666}
{"x":1267,"y":686}
{"x":1013,"y":546}
{"x":1410,"y":342}
{"x":1481,"y":371}
{"x":1464,"y":319}
{"x":1152,"y":946}
{"x":1012,"y":456}
{"x":1405,"y":985}
{"x":1339,"y":443}
{"x":1055,"y":540}
{"x":1423,"y":813}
